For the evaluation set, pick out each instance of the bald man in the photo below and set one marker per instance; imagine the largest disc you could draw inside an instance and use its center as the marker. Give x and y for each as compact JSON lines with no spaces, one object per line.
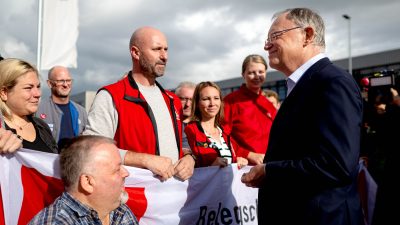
{"x":140,"y":115}
{"x":65,"y":118}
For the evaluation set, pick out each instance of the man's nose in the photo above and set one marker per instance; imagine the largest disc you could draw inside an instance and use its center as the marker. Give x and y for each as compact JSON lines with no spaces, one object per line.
{"x":164,"y":55}
{"x":125,"y":172}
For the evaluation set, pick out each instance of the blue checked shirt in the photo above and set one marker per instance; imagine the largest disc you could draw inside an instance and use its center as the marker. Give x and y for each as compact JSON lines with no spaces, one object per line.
{"x":67,"y":210}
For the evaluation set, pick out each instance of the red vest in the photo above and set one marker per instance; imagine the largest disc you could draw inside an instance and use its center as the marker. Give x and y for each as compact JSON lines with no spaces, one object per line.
{"x":137,"y":130}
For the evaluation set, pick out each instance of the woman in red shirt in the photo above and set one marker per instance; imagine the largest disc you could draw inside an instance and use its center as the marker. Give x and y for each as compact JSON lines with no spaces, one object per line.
{"x":210,"y":144}
{"x":248,"y":114}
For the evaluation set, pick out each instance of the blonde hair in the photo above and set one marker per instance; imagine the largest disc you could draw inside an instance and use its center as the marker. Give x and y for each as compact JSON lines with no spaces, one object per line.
{"x":253,"y":59}
{"x":270,"y":93}
{"x":10,"y":70}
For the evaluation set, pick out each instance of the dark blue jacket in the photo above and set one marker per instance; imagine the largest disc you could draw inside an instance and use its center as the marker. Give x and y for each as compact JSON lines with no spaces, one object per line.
{"x":312,"y":156}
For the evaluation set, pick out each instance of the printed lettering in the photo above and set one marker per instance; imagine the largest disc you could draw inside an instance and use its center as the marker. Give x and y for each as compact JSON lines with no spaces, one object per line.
{"x":246,"y":216}
{"x":252,"y":216}
{"x":238,"y":214}
{"x":226,"y":216}
{"x":211,"y":217}
{"x":202,"y":217}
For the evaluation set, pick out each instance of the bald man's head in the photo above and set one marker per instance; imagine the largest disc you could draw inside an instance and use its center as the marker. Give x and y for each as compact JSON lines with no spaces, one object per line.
{"x":141,"y":35}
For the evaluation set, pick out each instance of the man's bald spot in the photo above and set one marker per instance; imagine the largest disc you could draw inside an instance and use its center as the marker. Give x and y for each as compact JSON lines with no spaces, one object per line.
{"x":142,"y":34}
{"x":55,"y":69}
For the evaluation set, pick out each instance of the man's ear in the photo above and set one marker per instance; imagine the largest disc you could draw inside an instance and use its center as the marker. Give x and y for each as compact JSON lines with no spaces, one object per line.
{"x":87,"y":183}
{"x":49,"y":83}
{"x":135,"y":53}
{"x":310,"y":35}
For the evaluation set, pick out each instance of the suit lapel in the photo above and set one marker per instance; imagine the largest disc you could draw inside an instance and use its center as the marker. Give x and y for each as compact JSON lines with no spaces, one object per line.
{"x":301,"y":87}
{"x":308,"y":75}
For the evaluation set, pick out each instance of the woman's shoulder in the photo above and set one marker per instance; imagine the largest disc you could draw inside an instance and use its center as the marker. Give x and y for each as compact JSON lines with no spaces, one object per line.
{"x":191,"y":125}
{"x":38,"y":121}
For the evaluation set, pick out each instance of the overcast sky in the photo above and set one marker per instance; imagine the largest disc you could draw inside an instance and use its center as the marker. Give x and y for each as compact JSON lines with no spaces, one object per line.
{"x":208,"y":39}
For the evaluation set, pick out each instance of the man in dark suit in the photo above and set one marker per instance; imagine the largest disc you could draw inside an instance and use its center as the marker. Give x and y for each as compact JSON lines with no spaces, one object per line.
{"x":310,"y":169}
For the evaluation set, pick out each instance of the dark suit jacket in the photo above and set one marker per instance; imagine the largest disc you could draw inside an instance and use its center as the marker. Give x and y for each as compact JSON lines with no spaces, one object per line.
{"x":312,"y":157}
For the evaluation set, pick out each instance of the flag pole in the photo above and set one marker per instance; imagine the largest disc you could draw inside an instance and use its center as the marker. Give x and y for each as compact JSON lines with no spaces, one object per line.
{"x":39,"y":39}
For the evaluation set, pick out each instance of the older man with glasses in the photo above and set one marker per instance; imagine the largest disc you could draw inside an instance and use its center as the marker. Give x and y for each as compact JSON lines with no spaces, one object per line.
{"x":65,"y":118}
{"x":309,"y":173}
{"x":185,"y":91}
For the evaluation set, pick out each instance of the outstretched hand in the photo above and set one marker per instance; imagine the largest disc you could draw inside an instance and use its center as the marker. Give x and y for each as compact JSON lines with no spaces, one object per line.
{"x":255,"y":176}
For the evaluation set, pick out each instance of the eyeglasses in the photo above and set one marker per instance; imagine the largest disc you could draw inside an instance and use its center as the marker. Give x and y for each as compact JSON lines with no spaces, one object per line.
{"x":272,"y":37}
{"x":61,"y":82}
{"x":183,"y":99}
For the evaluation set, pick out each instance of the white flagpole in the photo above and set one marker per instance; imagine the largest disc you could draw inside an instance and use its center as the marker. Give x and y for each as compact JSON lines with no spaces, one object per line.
{"x":39,"y":39}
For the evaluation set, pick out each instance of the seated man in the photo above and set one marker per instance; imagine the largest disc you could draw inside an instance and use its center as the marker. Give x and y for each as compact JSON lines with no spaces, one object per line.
{"x":94,"y":178}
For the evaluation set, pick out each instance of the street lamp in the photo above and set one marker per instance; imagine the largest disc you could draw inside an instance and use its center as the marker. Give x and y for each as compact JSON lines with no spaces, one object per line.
{"x":348,"y":18}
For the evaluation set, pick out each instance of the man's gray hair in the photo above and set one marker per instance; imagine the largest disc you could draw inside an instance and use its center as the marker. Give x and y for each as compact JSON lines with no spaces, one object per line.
{"x":76,"y":155}
{"x":305,"y":17}
{"x":186,"y":84}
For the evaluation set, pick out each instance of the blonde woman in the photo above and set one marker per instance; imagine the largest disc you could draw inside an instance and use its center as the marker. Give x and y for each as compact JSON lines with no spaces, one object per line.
{"x":248,"y":114}
{"x":20,"y":94}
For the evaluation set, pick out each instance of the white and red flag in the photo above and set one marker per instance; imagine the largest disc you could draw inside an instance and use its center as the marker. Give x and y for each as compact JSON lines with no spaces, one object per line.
{"x":30,"y":181}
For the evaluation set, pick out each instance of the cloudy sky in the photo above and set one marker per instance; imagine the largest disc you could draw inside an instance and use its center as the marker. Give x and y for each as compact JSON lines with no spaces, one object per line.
{"x":208,"y":39}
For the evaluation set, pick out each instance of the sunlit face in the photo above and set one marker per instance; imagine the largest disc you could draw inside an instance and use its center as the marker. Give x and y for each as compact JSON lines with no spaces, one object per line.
{"x":209,"y":102}
{"x":23,"y":98}
{"x":185,"y":95}
{"x":109,"y":175}
{"x":254,"y":75}
{"x":60,"y":82}
{"x":154,"y":55}
{"x":285,"y":52}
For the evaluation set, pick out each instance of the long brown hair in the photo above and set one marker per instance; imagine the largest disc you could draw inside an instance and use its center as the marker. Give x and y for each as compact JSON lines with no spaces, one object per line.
{"x":196,"y":114}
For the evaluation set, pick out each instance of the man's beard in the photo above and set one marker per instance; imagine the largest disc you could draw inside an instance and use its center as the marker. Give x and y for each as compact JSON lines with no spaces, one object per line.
{"x":124,"y":197}
{"x":59,"y":94}
{"x":150,"y":69}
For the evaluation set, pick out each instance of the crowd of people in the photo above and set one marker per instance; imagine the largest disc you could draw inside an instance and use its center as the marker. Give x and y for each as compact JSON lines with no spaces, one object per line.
{"x":304,"y":150}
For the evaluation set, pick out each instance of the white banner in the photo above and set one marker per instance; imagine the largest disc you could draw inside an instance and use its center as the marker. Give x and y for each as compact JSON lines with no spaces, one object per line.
{"x":30,"y":180}
{"x":59,"y":33}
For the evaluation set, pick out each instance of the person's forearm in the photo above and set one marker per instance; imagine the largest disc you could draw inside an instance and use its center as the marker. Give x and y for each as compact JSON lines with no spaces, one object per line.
{"x":136,"y":159}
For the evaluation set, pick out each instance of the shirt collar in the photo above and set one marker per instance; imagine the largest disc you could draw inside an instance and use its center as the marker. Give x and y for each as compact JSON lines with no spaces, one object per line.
{"x":75,"y":205}
{"x":297,"y":74}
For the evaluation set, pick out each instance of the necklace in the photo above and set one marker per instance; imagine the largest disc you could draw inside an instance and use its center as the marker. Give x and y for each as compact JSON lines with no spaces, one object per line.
{"x":16,"y":125}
